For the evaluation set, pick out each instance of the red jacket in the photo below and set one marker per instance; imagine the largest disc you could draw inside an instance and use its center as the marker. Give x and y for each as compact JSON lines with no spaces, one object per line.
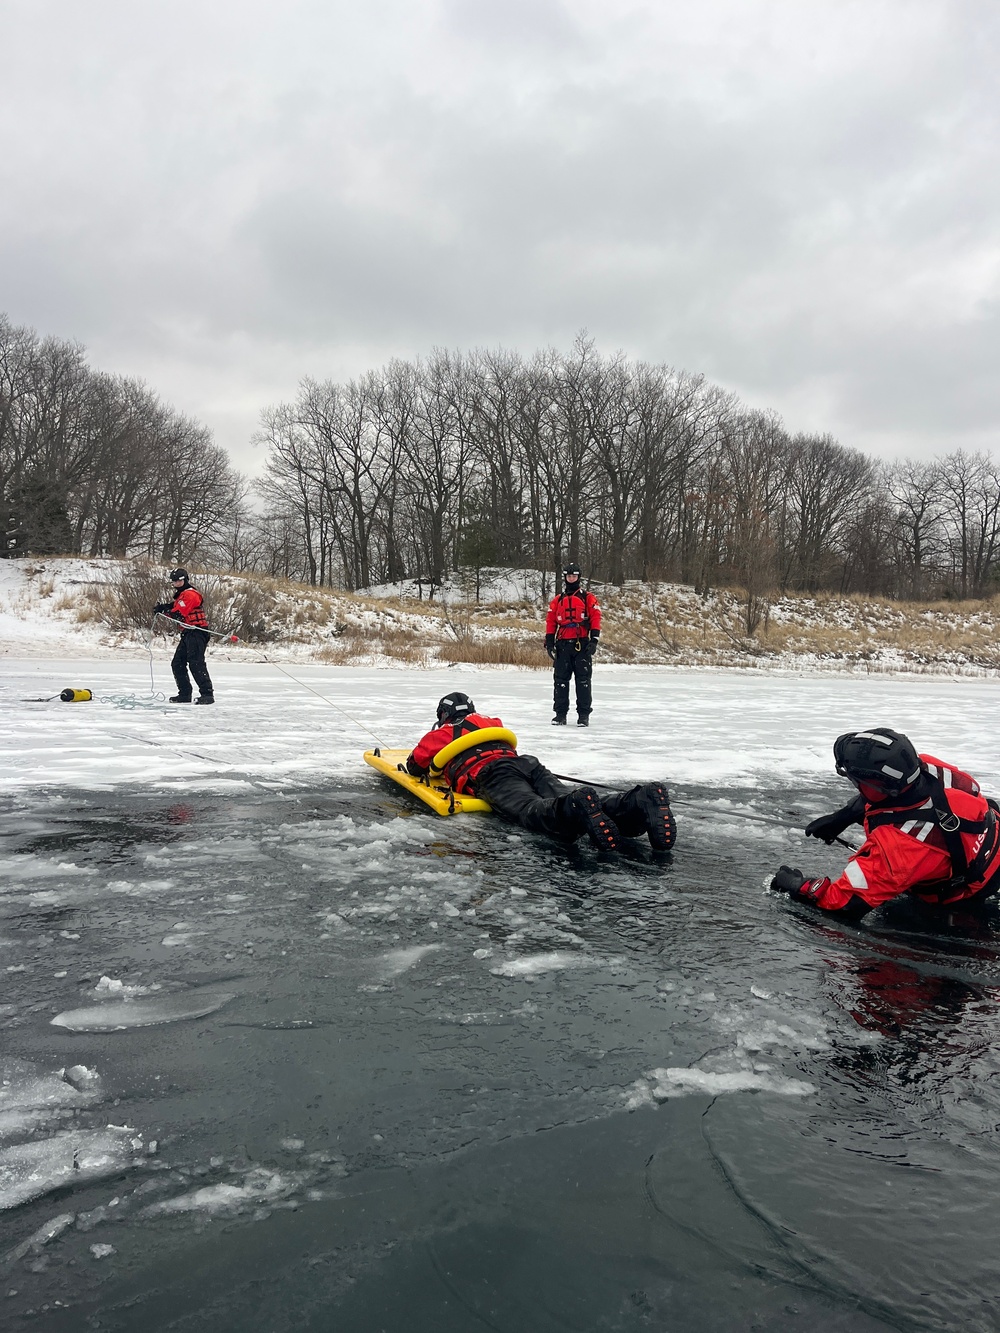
{"x":572,"y":615}
{"x":187,"y":608}
{"x":460,"y":771}
{"x":911,"y":853}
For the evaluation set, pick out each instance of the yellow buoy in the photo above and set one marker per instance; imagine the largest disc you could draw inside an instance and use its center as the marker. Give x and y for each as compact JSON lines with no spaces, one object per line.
{"x":75,"y":696}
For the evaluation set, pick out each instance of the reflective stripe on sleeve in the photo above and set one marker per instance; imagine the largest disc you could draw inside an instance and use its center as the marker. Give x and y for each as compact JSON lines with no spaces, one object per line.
{"x":855,"y":875}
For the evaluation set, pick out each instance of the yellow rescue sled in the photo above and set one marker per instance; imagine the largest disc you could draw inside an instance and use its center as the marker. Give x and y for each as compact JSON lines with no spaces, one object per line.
{"x":433,"y":789}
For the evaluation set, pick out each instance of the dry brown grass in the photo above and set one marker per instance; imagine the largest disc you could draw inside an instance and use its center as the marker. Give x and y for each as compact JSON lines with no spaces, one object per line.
{"x":406,"y":645}
{"x":497,"y":652}
{"x":642,"y":624}
{"x":336,"y":654}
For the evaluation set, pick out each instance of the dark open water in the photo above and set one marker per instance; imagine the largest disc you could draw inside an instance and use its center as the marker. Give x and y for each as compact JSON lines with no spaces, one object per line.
{"x":455,"y":1078}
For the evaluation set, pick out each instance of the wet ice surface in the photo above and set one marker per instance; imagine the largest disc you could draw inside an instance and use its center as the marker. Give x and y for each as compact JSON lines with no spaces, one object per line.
{"x":306,"y":1057}
{"x":356,"y":1059}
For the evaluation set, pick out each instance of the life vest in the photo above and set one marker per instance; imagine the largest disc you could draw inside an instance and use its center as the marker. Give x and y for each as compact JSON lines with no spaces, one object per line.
{"x":464,"y":755}
{"x":955,"y":815}
{"x":189,"y":606}
{"x":572,"y":615}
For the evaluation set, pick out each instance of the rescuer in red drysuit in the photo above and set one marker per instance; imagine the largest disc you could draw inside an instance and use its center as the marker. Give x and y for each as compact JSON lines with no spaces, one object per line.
{"x":523,"y":791}
{"x":572,"y":632}
{"x":928,"y":831}
{"x":187,"y":607}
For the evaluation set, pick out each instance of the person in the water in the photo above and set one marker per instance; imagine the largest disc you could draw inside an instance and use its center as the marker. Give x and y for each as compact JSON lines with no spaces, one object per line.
{"x":523,"y":791}
{"x":929,"y":831}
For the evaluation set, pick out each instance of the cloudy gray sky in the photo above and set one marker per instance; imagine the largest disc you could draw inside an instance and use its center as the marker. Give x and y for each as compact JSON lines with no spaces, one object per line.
{"x":797,"y":197}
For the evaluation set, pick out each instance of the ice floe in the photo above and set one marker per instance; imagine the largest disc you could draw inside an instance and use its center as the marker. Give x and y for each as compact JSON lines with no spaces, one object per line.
{"x":660,"y":1085}
{"x":398,"y":961}
{"x":29,"y":1170}
{"x":117,"y":1017}
{"x":31,"y":1097}
{"x":258,"y":1187}
{"x":536,"y":964}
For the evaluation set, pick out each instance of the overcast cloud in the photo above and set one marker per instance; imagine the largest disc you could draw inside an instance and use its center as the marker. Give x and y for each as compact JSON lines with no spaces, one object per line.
{"x":798,"y":198}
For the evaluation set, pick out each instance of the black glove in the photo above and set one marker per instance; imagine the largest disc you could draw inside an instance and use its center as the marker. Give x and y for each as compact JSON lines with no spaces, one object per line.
{"x":162,"y":607}
{"x":787,"y":880}
{"x":413,"y":768}
{"x":829,"y":827}
{"x":550,"y":645}
{"x":594,"y":636}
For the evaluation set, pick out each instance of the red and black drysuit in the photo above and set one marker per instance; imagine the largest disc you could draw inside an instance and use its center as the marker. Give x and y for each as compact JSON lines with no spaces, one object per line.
{"x":572,"y":630}
{"x":518,"y":787}
{"x":938,"y":841}
{"x":188,"y":608}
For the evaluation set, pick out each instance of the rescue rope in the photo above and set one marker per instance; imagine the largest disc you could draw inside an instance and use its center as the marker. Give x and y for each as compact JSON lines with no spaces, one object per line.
{"x":155,"y":699}
{"x":364,"y":727}
{"x":225,"y":634}
{"x":696,"y":805}
{"x":202,"y":629}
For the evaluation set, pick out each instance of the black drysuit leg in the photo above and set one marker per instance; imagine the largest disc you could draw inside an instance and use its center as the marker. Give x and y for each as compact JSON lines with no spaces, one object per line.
{"x":190,"y":652}
{"x":523,"y":791}
{"x":572,"y":661}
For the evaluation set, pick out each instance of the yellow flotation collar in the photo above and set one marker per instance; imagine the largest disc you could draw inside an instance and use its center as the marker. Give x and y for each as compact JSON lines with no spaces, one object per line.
{"x":467,"y":741}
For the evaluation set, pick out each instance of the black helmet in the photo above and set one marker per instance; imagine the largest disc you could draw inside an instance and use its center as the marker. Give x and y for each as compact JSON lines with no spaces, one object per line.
{"x":571,"y":569}
{"x":176,"y":574}
{"x":455,"y":706}
{"x":881,"y":757}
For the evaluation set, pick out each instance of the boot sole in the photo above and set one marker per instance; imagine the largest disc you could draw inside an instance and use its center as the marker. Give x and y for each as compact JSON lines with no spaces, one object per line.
{"x":660,"y":826}
{"x":600,"y":829}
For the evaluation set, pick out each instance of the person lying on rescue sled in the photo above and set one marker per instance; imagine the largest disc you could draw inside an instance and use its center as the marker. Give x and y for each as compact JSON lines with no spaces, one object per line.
{"x":928,"y":831}
{"x":523,"y":791}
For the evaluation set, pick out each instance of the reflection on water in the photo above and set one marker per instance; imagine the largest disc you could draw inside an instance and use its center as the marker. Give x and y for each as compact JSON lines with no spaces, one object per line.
{"x":347,"y":1065}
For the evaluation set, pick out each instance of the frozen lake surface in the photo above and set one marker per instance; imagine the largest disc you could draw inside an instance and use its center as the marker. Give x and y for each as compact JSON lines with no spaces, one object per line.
{"x":282,"y":1052}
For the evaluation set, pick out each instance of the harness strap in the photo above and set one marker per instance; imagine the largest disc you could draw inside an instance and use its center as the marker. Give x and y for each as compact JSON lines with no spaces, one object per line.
{"x":468,"y":759}
{"x":951,"y":826}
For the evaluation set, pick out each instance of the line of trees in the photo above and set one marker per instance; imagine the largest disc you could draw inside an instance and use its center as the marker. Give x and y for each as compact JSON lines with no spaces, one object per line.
{"x":96,"y":464}
{"x":486,"y":458}
{"x":638,"y":471}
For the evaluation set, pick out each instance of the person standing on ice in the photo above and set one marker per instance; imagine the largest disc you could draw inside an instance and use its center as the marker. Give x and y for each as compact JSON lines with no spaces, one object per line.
{"x":929,"y":831}
{"x":188,"y":608}
{"x":523,"y":791}
{"x":572,"y":632}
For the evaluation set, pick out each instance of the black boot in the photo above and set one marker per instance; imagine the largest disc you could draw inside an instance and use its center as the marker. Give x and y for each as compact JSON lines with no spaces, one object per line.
{"x":180,"y":698}
{"x":654,"y":802}
{"x":643,"y":809}
{"x":592,"y":820}
{"x":205,"y":699}
{"x":558,"y":721}
{"x":583,"y":720}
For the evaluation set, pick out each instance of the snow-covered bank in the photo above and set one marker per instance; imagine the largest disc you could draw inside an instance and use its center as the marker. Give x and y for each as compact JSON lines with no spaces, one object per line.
{"x":54,"y":606}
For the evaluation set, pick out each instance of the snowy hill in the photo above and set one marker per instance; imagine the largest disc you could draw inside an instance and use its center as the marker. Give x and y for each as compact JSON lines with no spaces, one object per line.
{"x":101,"y":607}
